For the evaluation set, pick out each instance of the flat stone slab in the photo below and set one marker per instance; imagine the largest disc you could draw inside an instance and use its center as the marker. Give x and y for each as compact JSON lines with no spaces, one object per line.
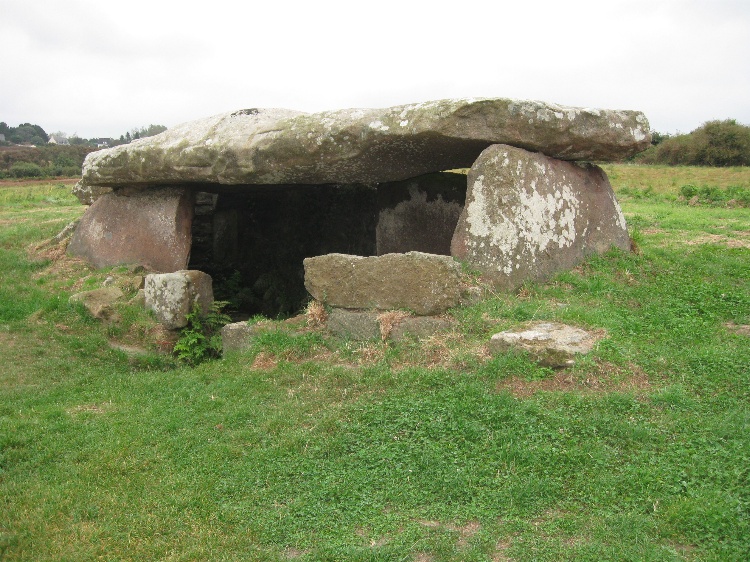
{"x":238,"y":336}
{"x":550,"y":344}
{"x":426,"y":284}
{"x":100,"y":303}
{"x":151,"y":228}
{"x":279,"y":146}
{"x":395,"y":326}
{"x":358,"y":325}
{"x":172,"y":296}
{"x":419,"y":328}
{"x":528,"y":216}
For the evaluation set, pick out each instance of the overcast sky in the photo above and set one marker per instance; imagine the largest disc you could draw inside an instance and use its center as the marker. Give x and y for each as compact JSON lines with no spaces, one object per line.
{"x":99,"y":68}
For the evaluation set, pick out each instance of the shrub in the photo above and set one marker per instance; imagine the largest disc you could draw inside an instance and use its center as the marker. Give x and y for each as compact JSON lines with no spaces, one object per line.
{"x":722,"y":143}
{"x":713,"y":195}
{"x":715,"y":143}
{"x":25,"y":170}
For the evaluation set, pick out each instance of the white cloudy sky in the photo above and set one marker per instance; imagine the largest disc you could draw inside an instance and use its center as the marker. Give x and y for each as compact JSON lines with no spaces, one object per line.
{"x":102,"y":67}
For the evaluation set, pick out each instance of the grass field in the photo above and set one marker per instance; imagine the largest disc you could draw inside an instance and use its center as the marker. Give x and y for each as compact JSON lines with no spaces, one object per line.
{"x":307,"y":448}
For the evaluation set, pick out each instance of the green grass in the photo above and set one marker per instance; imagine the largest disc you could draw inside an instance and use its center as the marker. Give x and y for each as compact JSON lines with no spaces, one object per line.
{"x":310,"y":448}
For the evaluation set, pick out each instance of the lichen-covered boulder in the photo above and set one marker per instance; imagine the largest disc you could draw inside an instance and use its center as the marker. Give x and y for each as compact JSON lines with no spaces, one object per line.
{"x":528,"y":216}
{"x":151,"y":228}
{"x":172,"y":296}
{"x":426,"y":284}
{"x":277,"y":146}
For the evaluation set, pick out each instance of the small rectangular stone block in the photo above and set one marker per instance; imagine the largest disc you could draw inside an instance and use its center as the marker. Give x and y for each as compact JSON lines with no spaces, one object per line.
{"x":237,"y":336}
{"x":356,"y":325}
{"x":425,"y":284}
{"x":172,"y":296}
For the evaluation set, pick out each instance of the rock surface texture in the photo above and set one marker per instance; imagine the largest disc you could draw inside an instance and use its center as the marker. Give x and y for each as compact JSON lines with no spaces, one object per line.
{"x":278,"y":146}
{"x":548,"y":343}
{"x":151,"y":228}
{"x":528,"y":216}
{"x":172,"y":296}
{"x":426,"y":284}
{"x":100,"y":303}
{"x":396,"y":326}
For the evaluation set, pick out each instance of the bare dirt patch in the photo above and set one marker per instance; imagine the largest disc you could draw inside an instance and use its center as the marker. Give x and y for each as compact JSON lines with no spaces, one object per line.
{"x":500,"y":549}
{"x":741,"y":329}
{"x":264,"y":361}
{"x":465,"y":532}
{"x":28,"y":183}
{"x":742,"y":240}
{"x":606,"y":378}
{"x":90,"y":408}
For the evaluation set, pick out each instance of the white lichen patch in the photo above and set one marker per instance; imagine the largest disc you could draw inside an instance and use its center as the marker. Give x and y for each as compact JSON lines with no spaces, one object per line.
{"x":379,"y":126}
{"x":168,"y":296}
{"x":535,"y":213}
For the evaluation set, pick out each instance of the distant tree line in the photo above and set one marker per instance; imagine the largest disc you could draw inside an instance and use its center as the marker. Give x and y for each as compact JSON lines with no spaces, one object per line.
{"x":715,"y":143}
{"x":141,"y":133}
{"x":25,"y":133}
{"x":28,"y":151}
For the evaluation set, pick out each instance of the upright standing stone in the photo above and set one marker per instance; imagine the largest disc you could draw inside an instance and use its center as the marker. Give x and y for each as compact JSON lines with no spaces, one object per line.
{"x":528,"y":216}
{"x":151,"y":228}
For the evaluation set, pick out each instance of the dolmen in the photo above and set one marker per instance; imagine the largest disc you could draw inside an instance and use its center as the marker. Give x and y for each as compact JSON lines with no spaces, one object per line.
{"x":256,"y":191}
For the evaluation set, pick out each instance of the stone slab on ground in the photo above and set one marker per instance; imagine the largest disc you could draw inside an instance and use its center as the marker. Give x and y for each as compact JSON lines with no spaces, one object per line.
{"x":151,"y":228}
{"x":528,"y":216}
{"x":358,"y":325}
{"x":172,"y":296}
{"x":550,"y":344}
{"x":419,"y":328}
{"x":100,"y":302}
{"x":238,"y":336}
{"x":395,"y":326}
{"x":277,"y":146}
{"x":425,"y":284}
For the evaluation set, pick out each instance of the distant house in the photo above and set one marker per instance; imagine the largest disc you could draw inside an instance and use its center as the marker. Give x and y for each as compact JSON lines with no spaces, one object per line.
{"x":57,"y":139}
{"x":104,"y":143}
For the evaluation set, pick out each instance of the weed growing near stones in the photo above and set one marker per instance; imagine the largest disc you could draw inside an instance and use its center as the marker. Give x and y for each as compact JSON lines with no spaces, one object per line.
{"x":201,"y":339}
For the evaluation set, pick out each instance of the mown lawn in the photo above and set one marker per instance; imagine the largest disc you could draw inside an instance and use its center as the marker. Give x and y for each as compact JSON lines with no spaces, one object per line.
{"x":306,"y":447}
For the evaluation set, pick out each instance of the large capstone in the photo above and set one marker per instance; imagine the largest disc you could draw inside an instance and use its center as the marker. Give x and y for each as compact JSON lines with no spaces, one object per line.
{"x":277,"y":146}
{"x":528,"y":216}
{"x":426,"y":284}
{"x":151,"y":228}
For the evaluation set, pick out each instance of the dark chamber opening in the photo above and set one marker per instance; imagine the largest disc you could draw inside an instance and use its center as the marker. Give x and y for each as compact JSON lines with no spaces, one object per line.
{"x":252,"y":239}
{"x":253,"y":243}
